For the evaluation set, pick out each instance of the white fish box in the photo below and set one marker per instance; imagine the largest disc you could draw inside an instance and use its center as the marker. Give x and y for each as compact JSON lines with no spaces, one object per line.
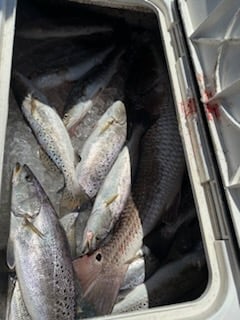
{"x":202,"y":42}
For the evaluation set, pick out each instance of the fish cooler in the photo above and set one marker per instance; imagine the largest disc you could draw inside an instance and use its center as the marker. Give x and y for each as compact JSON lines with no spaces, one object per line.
{"x":201,"y":42}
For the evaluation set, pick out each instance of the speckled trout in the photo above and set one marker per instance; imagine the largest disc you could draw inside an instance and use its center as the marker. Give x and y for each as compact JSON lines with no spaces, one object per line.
{"x":51,"y":134}
{"x":101,"y":149}
{"x":38,"y":250}
{"x":113,"y":194}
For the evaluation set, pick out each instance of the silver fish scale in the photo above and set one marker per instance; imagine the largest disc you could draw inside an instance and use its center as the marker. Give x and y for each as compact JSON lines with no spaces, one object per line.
{"x":95,"y":179}
{"x":45,"y":272}
{"x":53,"y":136}
{"x":63,"y":306}
{"x":161,"y":167}
{"x":46,"y":139}
{"x":92,"y":173}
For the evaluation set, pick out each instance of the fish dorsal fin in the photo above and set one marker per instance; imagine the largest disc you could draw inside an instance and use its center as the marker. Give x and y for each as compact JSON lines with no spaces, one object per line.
{"x":100,"y":288}
{"x":33,"y":105}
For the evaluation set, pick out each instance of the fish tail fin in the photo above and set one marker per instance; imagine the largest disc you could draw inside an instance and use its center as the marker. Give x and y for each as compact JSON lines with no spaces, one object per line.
{"x":72,"y":200}
{"x":23,"y":86}
{"x":100,"y":289}
{"x":69,"y":201}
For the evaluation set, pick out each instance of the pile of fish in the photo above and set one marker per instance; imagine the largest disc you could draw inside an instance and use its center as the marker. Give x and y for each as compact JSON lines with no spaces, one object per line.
{"x":124,"y":235}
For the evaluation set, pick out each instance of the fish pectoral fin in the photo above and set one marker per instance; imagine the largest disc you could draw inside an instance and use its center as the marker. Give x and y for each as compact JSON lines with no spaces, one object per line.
{"x":137,"y":256}
{"x":46,"y":161}
{"x":33,"y":228}
{"x":111,"y":199}
{"x":33,"y":105}
{"x":106,"y":126}
{"x":10,"y":254}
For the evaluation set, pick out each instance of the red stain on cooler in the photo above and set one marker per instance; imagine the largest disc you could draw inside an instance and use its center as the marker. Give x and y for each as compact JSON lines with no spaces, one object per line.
{"x":189,"y":107}
{"x":212,"y":109}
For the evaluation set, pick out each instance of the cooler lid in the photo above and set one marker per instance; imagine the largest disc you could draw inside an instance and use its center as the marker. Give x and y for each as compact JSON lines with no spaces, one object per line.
{"x":212,"y":30}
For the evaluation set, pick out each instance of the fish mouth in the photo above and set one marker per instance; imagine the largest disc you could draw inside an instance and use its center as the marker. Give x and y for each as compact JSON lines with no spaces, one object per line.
{"x":16,"y":172}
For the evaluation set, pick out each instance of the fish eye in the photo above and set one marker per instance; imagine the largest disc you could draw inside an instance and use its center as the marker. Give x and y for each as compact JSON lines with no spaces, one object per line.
{"x":99,"y":257}
{"x":28,"y":178}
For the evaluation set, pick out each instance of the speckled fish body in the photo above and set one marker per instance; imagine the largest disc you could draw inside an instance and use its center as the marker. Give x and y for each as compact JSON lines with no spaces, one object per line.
{"x":101,"y":149}
{"x":109,"y":203}
{"x":104,"y":270}
{"x":38,"y":251}
{"x":82,"y":96}
{"x":161,"y":168}
{"x":167,"y":285}
{"x":113,"y":193}
{"x":49,"y":131}
{"x":16,"y":308}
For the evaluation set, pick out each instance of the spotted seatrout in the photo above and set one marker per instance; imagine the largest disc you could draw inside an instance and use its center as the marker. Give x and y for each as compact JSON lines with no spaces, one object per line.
{"x":113,"y":194}
{"x":101,"y":149}
{"x":51,"y":134}
{"x":38,"y":250}
{"x":109,"y":203}
{"x":104,"y":270}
